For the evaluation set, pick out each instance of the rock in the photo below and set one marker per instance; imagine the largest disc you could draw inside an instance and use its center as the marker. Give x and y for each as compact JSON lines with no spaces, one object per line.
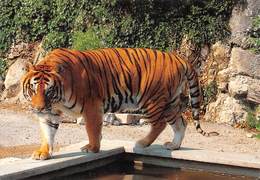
{"x":17,"y":50}
{"x":244,"y":62}
{"x":13,"y":78}
{"x":250,"y":135}
{"x":109,"y":118}
{"x":15,"y":72}
{"x":241,"y":20}
{"x":204,"y":52}
{"x":226,"y":109}
{"x":239,"y":23}
{"x":216,"y":61}
{"x":246,"y":88}
{"x":222,"y":80}
{"x":223,"y":87}
{"x":221,"y":55}
{"x":120,"y":119}
{"x":238,"y":86}
{"x":223,"y":76}
{"x":253,"y":94}
{"x":191,"y":52}
{"x":128,"y":118}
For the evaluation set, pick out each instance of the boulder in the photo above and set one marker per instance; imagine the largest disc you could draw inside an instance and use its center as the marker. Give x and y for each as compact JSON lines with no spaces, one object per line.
{"x":226,"y":109}
{"x":221,"y":54}
{"x":17,"y":50}
{"x":238,"y":86}
{"x":246,"y":88}
{"x":245,"y":63}
{"x":128,"y":118}
{"x":253,"y":94}
{"x":223,"y":80}
{"x":241,"y":20}
{"x":13,"y":78}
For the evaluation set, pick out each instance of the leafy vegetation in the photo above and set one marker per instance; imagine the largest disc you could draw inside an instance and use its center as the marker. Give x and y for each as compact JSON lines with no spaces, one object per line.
{"x":121,"y":23}
{"x":3,"y":67}
{"x":253,"y":118}
{"x":86,"y":40}
{"x":210,"y":92}
{"x":254,"y":33}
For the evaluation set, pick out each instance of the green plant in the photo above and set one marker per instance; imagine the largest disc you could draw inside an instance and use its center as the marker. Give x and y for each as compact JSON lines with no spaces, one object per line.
{"x":252,"y":120}
{"x":254,"y":35}
{"x":55,"y":40}
{"x":3,"y":67}
{"x":120,"y":23}
{"x":86,"y":40}
{"x":210,"y":92}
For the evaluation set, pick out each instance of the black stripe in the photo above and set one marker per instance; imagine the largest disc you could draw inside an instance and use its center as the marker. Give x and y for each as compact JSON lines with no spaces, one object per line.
{"x":74,"y":104}
{"x":196,"y":93}
{"x":196,"y":105}
{"x":194,"y":85}
{"x":83,"y":105}
{"x":51,"y":124}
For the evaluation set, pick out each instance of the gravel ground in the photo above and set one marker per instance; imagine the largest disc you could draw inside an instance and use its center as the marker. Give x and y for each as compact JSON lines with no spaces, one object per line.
{"x":19,"y":135}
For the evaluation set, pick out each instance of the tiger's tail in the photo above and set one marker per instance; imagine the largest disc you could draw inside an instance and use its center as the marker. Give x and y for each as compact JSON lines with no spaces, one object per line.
{"x":196,"y":97}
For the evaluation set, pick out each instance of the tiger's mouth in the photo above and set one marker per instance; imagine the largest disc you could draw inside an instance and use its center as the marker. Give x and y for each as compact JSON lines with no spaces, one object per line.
{"x":43,"y":110}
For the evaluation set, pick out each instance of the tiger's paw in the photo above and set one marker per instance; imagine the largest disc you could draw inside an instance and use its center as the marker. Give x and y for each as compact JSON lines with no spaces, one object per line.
{"x":171,"y":146}
{"x":41,"y":155}
{"x":90,"y":148}
{"x":142,"y":144}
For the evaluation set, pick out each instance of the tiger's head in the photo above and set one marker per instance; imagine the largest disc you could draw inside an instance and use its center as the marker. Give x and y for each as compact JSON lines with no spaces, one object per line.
{"x":42,"y":86}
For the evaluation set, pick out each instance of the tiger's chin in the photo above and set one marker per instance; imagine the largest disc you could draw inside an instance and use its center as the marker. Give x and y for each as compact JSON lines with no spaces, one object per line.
{"x":42,"y":112}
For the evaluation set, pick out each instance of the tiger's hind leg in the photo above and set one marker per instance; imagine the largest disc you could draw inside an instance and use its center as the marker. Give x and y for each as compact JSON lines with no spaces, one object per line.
{"x":155,"y":131}
{"x":178,"y":127}
{"x":157,"y":126}
{"x":174,"y":118}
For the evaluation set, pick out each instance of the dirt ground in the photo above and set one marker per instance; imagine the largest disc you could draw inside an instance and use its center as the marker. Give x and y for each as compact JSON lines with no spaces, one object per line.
{"x":19,"y":135}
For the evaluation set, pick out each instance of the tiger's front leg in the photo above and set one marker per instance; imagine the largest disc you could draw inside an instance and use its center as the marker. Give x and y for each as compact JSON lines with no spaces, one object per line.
{"x":48,"y":125}
{"x":93,"y":115}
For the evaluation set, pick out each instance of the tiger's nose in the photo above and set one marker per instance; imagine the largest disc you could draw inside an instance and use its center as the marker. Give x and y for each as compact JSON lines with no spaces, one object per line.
{"x":38,"y":103}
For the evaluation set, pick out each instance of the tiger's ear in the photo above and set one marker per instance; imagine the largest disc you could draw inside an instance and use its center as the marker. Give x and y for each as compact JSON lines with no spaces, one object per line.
{"x":28,"y":67}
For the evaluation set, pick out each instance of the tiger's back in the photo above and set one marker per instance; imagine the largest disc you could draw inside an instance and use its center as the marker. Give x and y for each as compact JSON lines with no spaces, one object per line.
{"x":124,"y":78}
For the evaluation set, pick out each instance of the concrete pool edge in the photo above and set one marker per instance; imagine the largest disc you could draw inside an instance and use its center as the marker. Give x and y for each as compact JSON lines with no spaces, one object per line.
{"x":71,"y":156}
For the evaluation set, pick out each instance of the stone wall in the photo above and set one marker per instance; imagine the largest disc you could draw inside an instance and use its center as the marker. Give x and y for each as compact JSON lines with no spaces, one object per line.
{"x":239,"y":81}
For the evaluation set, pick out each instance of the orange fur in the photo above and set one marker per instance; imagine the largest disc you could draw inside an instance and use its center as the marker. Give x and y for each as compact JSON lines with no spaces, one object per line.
{"x":90,"y":83}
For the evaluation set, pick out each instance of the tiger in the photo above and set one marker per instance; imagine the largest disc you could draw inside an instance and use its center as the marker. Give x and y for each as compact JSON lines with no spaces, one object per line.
{"x":92,"y":83}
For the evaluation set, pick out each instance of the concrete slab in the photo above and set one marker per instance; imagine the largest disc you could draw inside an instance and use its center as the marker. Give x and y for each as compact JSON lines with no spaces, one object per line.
{"x":71,"y":156}
{"x":68,"y":157}
{"x":199,"y":155}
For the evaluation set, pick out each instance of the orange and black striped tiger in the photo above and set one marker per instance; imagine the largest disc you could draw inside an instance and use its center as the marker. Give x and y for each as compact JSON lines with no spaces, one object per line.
{"x":91,"y":83}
